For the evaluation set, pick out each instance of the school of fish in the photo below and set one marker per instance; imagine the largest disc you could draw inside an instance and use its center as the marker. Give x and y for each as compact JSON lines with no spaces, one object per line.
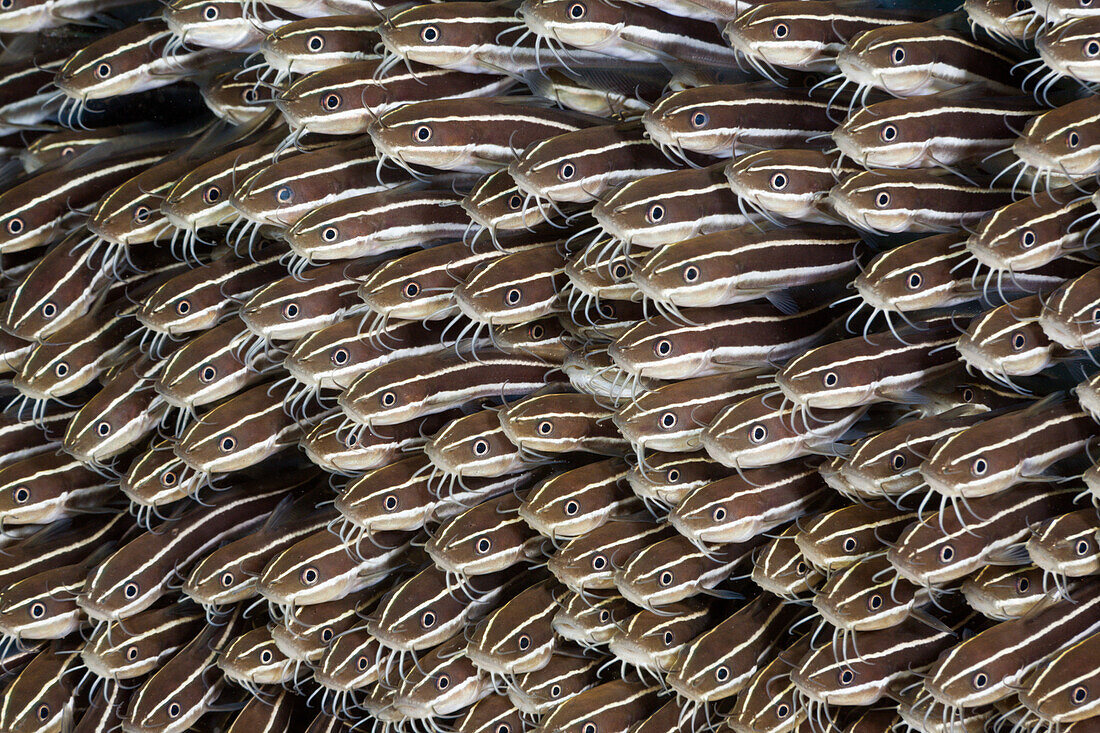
{"x":566,"y":366}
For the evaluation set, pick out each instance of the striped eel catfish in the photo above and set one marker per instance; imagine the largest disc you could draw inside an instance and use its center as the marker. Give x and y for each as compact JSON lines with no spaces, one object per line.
{"x":633,"y":32}
{"x":1004,"y":450}
{"x":43,"y":606}
{"x":444,"y":682}
{"x":222,"y":25}
{"x":561,"y":423}
{"x":1059,"y":691}
{"x":487,"y":538}
{"x":575,"y":501}
{"x":48,"y":487}
{"x":650,"y":642}
{"x":746,"y":263}
{"x":868,"y":596}
{"x":43,"y":697}
{"x":1065,"y":546}
{"x":788,"y":182}
{"x":157,"y":478}
{"x":932,"y":130}
{"x":252,"y":659}
{"x":590,"y":621}
{"x":336,"y":448}
{"x":937,"y":550}
{"x":1059,"y":145}
{"x":728,"y":120}
{"x":1069,"y":49}
{"x":1008,"y":342}
{"x":392,"y":393}
{"x":837,"y":539}
{"x":1070,"y":316}
{"x":568,"y":674}
{"x":143,"y":644}
{"x":517,"y":637}
{"x":922,"y":58}
{"x":1002,"y":593}
{"x":236,"y":99}
{"x":458,"y":134}
{"x":306,"y":45}
{"x":475,"y":445}
{"x":769,"y":703}
{"x":664,"y":479}
{"x":588,"y":562}
{"x":1007,"y":21}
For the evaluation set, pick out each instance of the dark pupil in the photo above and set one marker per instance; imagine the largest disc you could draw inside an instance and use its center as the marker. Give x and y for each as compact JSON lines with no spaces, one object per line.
{"x":104,"y":69}
{"x":1082,"y":547}
{"x":208,"y":373}
{"x":284,"y":194}
{"x":781,"y":31}
{"x":899,"y":461}
{"x":291,"y":310}
{"x":514,"y":201}
{"x":332,"y":101}
{"x":423,"y":133}
{"x":340,"y":356}
{"x":211,"y":13}
{"x":780,"y":180}
{"x":391,"y":502}
{"x":699,"y":119}
{"x":315,"y":44}
{"x":213,"y":194}
{"x":572,"y":508}
{"x":889,"y":133}
{"x":49,"y":309}
{"x":1023,"y":584}
{"x":914,"y":280}
{"x":43,"y":712}
{"x":899,"y":55}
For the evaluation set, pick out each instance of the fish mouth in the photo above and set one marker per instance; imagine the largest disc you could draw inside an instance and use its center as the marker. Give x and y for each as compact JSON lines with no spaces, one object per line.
{"x":95,"y":610}
{"x":632,"y":653}
{"x":1058,"y":332}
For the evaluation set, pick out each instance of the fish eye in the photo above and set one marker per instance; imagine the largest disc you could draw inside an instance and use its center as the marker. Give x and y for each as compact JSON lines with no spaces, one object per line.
{"x":291,"y":311}
{"x":442,"y":682}
{"x":781,"y":30}
{"x":423,"y":133}
{"x":513,"y":296}
{"x":315,"y":42}
{"x":429,"y":34}
{"x":1027,"y":239}
{"x":249,"y":95}
{"x":545,"y":427}
{"x":211,"y":194}
{"x":889,"y":133}
{"x":874,"y":603}
{"x":1023,"y":585}
{"x":340,"y":356}
{"x":15,"y":225}
{"x":779,"y":181}
{"x":61,"y":369}
{"x":979,"y":680}
{"x":329,"y":234}
{"x":668,"y":420}
{"x":537,"y":331}
{"x":326,"y":634}
{"x":669,"y":638}
{"x":49,"y":309}
{"x":1018,"y":341}
{"x":208,"y":373}
{"x":481,"y":447}
{"x":722,"y":673}
{"x":691,"y":273}
{"x":699,"y":119}
{"x":947,"y":553}
{"x":284,"y":195}
{"x":882,"y":199}
{"x":830,"y":379}
{"x":388,"y":399}
{"x":662,"y":347}
{"x":265,"y":656}
{"x":898,"y":461}
{"x":673,"y":475}
{"x":515,"y":201}
{"x":1092,"y":48}
{"x":503,"y":728}
{"x":411,"y":289}
{"x":605,"y":615}
{"x":483,"y":545}
{"x":227,"y":580}
{"x":362,"y":663}
{"x":719,"y":513}
{"x":103,"y":428}
{"x":168,"y":478}
{"x":914,"y":280}
{"x":783,"y":710}
{"x":141,"y":213}
{"x":1082,"y":547}
{"x":555,"y":691}
{"x":968,"y":394}
{"x":846,"y":676}
{"x":332,"y":101}
{"x":524,"y":642}
{"x":210,"y":12}
{"x":801,"y":568}
{"x":758,"y":434}
{"x":619,"y":271}
{"x":390,"y":503}
{"x":21,"y":494}
{"x":227,"y":443}
{"x":103,"y":70}
{"x":131,"y":653}
{"x":850,"y":544}
{"x":655,"y":214}
{"x":43,"y":711}
{"x":1073,"y":139}
{"x":38,"y":609}
{"x":310,"y":575}
{"x":183,"y":307}
{"x":897,"y":55}
{"x":6,"y":4}
{"x":599,"y":562}
{"x":566,"y":171}
{"x":576,"y":12}
{"x":979,"y":467}
{"x":427,"y":619}
{"x":665,"y":579}
{"x":351,"y":439}
{"x":130,"y":590}
{"x":1079,"y":694}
